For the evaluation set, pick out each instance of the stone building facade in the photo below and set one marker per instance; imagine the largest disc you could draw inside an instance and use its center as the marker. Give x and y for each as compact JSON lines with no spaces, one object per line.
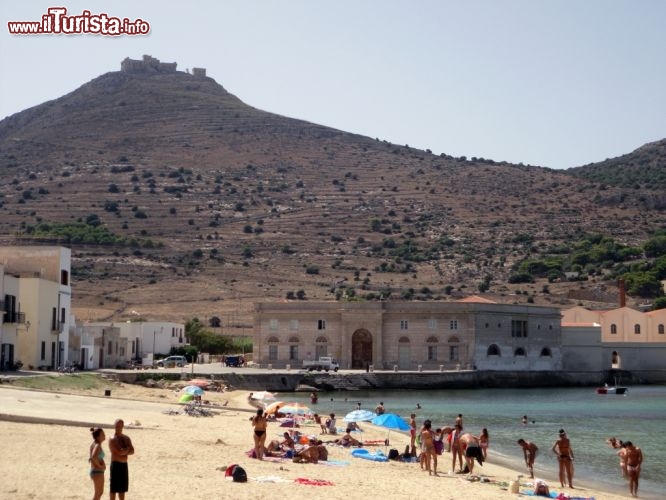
{"x":471,"y":333}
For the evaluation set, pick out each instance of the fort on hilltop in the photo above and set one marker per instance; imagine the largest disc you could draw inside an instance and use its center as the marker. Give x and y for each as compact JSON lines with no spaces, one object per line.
{"x":152,"y":64}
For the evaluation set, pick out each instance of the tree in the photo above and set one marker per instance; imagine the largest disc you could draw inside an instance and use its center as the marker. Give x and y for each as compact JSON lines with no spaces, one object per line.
{"x":215,"y":322}
{"x":659,"y":303}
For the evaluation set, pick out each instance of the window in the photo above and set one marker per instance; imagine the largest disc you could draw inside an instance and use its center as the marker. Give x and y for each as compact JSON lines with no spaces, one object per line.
{"x":493,"y":350}
{"x":293,"y":352}
{"x":432,"y":348}
{"x":43,"y":351}
{"x":54,"y":319}
{"x":293,"y":325}
{"x":637,"y":329}
{"x":64,"y":277}
{"x":10,"y":309}
{"x":272,"y":352}
{"x":518,"y":328}
{"x":453,"y":324}
{"x":614,"y":329}
{"x":545,"y":352}
{"x":432,"y":324}
{"x":273,"y":324}
{"x":660,"y":329}
{"x":519,"y":352}
{"x":453,"y":352}
{"x":63,"y":316}
{"x":321,"y":324}
{"x":403,"y":324}
{"x":109,"y":349}
{"x":133,"y":346}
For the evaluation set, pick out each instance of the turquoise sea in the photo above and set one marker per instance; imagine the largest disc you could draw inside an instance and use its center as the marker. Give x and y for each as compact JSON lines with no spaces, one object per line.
{"x":588,"y":418}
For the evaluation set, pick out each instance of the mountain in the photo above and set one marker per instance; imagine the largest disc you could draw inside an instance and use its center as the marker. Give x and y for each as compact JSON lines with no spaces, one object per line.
{"x":179,"y":200}
{"x":641,"y":173}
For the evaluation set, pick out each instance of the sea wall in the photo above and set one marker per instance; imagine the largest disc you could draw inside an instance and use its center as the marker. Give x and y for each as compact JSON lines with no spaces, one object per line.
{"x":290,"y":381}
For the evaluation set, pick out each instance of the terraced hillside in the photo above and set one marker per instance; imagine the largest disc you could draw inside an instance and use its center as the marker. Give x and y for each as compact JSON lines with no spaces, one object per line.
{"x":212,"y":204}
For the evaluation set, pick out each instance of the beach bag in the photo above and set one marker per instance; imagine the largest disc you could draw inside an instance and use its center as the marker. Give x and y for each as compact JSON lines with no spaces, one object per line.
{"x":237,"y":473}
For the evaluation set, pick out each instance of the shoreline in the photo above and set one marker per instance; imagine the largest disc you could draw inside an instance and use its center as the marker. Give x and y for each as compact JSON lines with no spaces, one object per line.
{"x":191,"y":452}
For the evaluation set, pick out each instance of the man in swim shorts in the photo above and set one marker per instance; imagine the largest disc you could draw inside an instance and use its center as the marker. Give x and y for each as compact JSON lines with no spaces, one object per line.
{"x":121,"y":447}
{"x":634,"y":459}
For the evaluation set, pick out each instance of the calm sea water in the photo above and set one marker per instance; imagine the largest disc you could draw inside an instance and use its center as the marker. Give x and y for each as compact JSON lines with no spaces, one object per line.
{"x":588,"y":418}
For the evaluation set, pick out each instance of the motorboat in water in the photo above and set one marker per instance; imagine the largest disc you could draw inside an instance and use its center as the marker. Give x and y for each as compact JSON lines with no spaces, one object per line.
{"x":612,"y":389}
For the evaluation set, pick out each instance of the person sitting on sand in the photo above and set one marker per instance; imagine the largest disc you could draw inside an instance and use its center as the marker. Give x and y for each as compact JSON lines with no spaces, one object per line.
{"x":308,"y":455}
{"x":379,"y":409}
{"x":347,"y":440}
{"x":321,"y":449}
{"x":330,"y":424}
{"x":287,"y":443}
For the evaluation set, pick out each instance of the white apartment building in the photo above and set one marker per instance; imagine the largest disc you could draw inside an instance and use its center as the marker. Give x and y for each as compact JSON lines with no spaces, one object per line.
{"x":35,"y":298}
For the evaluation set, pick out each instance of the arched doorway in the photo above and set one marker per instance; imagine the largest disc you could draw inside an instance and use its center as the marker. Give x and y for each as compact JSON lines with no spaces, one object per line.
{"x":361,"y":349}
{"x":616,"y":361}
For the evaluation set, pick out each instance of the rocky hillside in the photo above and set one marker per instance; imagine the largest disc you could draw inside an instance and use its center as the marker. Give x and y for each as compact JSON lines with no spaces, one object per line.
{"x":179,"y":200}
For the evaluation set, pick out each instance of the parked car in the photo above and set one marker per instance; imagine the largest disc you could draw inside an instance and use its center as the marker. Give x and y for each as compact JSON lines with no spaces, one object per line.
{"x":171,"y":361}
{"x":234,"y":361}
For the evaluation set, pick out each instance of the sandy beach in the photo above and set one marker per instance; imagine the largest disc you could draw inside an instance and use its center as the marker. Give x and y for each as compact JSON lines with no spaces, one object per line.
{"x":180,"y":456}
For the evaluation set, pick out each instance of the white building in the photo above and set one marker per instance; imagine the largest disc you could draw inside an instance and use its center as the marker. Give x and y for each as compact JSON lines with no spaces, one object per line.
{"x":112,"y":344}
{"x":36,"y":305}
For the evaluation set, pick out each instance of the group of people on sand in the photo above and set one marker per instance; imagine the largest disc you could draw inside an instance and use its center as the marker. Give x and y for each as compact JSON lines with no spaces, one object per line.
{"x":631,"y":459}
{"x":460,"y":444}
{"x":291,"y":446}
{"x":120,"y":446}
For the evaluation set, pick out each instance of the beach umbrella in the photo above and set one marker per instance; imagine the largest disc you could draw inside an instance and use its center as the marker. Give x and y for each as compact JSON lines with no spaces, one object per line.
{"x":390,"y":421}
{"x":295,"y":409}
{"x":359,"y":416}
{"x":193,"y":390}
{"x":200,"y":382}
{"x":274,"y":407}
{"x":263,"y":396}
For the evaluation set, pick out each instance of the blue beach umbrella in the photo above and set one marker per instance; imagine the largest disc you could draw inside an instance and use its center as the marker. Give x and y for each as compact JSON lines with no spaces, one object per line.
{"x":390,"y":421}
{"x":359,"y":416}
{"x":194,"y":390}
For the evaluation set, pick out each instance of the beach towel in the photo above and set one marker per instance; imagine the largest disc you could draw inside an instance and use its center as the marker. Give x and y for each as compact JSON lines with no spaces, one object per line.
{"x":530,"y":493}
{"x":312,"y":482}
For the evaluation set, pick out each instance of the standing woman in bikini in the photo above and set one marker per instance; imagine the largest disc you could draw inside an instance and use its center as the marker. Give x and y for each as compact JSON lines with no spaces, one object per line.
{"x":259,"y":423}
{"x":96,"y":459}
{"x":565,"y":457}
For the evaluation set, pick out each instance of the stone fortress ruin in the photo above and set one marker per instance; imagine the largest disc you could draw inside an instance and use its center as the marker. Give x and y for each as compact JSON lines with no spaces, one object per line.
{"x":152,"y":64}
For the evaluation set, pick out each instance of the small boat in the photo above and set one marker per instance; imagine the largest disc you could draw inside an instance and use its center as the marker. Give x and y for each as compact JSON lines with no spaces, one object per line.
{"x":612,"y":389}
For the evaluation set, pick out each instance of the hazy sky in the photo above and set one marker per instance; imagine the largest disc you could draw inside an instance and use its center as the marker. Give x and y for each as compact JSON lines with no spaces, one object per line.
{"x":551,"y":83}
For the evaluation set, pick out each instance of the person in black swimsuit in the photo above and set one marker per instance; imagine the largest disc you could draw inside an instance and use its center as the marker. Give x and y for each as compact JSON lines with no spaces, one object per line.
{"x":565,"y":456}
{"x":259,"y":423}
